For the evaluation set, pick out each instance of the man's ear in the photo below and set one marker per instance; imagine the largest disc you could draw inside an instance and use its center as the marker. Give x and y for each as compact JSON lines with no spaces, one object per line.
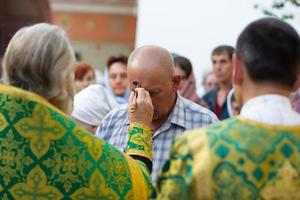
{"x":297,"y":84}
{"x":237,"y":73}
{"x":176,"y":81}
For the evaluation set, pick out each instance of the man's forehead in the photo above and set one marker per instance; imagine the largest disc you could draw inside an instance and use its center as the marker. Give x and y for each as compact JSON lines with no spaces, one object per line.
{"x":220,"y":56}
{"x":148,"y":81}
{"x":151,"y":73}
{"x":146,"y":84}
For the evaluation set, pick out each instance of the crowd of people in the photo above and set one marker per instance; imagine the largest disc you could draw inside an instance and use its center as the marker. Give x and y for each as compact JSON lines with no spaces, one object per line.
{"x":143,"y":132}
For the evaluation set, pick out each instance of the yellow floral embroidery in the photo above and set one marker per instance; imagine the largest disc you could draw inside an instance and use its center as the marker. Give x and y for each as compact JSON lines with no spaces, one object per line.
{"x":68,"y":166}
{"x":140,"y":142}
{"x":41,"y":133}
{"x":96,"y":189}
{"x":35,"y":187}
{"x":3,"y":122}
{"x":13,"y":158}
{"x":286,"y":185}
{"x":94,"y":145}
{"x":12,"y":104}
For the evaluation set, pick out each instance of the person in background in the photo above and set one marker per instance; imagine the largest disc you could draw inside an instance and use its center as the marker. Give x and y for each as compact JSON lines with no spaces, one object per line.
{"x":91,"y":105}
{"x":233,"y":107}
{"x":255,"y":155}
{"x":46,"y":155}
{"x":187,"y":86}
{"x":115,"y":78}
{"x":210,"y":81}
{"x":84,"y":76}
{"x":222,"y":67}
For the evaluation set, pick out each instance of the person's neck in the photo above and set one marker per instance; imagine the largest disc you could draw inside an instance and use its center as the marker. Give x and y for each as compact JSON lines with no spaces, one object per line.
{"x":156,"y":124}
{"x":225,"y":86}
{"x":254,"y":90}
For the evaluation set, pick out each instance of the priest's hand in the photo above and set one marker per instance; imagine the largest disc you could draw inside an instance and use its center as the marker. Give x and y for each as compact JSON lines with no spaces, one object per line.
{"x":140,"y":108}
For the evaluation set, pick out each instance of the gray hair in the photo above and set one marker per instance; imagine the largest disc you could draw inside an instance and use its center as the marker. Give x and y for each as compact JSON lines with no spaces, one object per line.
{"x":40,"y":59}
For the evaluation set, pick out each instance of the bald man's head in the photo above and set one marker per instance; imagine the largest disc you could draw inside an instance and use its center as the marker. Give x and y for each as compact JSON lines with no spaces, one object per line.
{"x":152,"y":57}
{"x":153,"y":68}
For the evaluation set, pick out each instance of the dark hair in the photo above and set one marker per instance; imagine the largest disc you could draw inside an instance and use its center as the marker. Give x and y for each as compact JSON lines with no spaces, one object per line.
{"x":223,"y":49}
{"x":114,"y":59}
{"x":82,"y":69}
{"x":270,"y":49}
{"x":184,"y":64}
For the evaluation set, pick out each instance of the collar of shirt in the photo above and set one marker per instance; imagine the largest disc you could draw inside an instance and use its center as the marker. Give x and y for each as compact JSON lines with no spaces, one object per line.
{"x":176,"y":117}
{"x":271,"y":109}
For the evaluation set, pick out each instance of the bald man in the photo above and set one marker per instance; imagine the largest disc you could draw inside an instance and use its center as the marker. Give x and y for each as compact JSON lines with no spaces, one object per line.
{"x":152,"y":68}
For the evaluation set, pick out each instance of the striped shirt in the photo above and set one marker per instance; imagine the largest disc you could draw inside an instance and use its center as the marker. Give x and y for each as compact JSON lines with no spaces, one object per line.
{"x":185,"y":115}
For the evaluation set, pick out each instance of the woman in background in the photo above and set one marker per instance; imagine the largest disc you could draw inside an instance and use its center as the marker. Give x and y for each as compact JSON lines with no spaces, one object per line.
{"x":91,"y":105}
{"x":187,"y":87}
{"x":84,"y":76}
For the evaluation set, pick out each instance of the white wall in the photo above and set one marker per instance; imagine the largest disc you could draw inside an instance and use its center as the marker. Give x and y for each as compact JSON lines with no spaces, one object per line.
{"x":193,"y":28}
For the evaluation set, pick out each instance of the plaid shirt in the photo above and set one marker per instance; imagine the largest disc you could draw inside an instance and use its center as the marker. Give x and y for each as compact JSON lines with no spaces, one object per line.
{"x":185,"y":115}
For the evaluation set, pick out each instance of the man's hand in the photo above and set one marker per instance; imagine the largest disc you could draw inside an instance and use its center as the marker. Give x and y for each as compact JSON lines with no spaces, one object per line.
{"x":140,"y":108}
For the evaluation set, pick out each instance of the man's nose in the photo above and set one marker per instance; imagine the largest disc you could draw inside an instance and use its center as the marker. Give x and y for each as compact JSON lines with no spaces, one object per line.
{"x":118,"y":79}
{"x":218,"y":66}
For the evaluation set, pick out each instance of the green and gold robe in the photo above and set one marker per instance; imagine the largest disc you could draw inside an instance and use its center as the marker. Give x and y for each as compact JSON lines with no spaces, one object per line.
{"x":46,"y":155}
{"x":233,"y":159}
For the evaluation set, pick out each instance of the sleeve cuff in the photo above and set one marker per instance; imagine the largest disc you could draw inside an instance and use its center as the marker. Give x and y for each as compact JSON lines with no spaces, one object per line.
{"x":140,"y":141}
